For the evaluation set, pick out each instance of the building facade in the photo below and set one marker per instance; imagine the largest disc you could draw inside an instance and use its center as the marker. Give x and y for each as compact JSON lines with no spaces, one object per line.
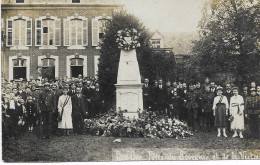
{"x":61,"y":36}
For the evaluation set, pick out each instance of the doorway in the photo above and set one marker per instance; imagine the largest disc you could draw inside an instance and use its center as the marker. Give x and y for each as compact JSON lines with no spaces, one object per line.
{"x":76,"y":70}
{"x":19,"y":72}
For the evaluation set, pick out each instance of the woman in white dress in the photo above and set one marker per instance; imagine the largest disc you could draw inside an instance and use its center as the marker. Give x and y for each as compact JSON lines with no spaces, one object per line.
{"x":65,"y":111}
{"x":237,"y":111}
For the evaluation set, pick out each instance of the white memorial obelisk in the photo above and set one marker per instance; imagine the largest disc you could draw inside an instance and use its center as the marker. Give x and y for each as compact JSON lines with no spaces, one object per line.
{"x":129,"y":95}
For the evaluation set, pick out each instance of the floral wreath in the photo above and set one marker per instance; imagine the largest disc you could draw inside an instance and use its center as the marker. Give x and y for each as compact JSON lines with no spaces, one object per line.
{"x":128,"y":39}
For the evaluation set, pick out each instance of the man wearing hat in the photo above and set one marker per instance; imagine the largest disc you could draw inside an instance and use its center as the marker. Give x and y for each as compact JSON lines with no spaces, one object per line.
{"x":47,"y":104}
{"x":252,"y":111}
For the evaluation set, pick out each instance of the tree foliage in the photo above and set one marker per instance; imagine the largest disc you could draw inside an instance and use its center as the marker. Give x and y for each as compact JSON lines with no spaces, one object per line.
{"x":229,"y":31}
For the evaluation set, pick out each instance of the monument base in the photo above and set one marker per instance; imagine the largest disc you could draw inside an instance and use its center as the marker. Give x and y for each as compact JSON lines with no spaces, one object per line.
{"x":131,"y":115}
{"x":129,"y":97}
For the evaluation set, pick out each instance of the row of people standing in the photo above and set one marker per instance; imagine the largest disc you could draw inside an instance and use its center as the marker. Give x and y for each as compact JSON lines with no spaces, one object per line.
{"x":196,"y":104}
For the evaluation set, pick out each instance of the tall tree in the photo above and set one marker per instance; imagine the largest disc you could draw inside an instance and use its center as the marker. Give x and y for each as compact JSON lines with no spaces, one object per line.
{"x":229,"y":31}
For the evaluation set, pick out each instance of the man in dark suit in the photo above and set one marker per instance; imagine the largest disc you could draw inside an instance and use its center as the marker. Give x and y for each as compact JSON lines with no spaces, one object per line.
{"x":213,"y":88}
{"x":147,"y":95}
{"x":228,"y":92}
{"x":79,"y":111}
{"x":88,"y":92}
{"x":22,"y":93}
{"x":183,"y":94}
{"x":56,"y":94}
{"x":153,"y":95}
{"x":161,"y":98}
{"x":72,"y":90}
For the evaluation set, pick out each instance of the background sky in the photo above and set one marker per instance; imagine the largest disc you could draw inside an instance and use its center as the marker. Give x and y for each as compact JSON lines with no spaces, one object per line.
{"x":167,"y":15}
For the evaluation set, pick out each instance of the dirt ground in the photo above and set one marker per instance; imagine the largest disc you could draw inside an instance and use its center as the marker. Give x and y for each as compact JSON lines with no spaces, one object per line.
{"x":73,"y":148}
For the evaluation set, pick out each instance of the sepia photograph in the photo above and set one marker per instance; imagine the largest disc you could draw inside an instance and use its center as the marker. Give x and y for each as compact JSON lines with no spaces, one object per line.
{"x":130,"y":80}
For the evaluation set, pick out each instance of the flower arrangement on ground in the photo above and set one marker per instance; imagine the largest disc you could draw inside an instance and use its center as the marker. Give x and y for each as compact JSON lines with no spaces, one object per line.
{"x":149,"y":124}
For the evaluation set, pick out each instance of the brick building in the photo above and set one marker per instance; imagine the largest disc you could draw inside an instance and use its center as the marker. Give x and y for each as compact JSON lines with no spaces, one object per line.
{"x":60,"y":34}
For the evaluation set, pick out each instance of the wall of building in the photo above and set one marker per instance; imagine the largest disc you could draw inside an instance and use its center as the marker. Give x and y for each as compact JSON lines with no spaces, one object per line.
{"x":36,"y":11}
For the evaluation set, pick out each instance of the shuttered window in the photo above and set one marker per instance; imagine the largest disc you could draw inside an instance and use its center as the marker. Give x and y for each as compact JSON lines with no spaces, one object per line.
{"x":75,"y":32}
{"x":19,"y":32}
{"x":95,"y":33}
{"x":48,"y":32}
{"x":9,"y":33}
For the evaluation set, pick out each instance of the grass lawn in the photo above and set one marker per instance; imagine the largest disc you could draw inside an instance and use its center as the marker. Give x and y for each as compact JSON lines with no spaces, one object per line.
{"x":28,"y":148}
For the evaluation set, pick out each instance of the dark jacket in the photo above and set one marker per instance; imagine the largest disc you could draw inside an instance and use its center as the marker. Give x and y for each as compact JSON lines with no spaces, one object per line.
{"x":252,"y":105}
{"x":30,"y":108}
{"x":192,"y":100}
{"x":72,"y":93}
{"x":161,"y":96}
{"x":79,"y":106}
{"x":207,"y":101}
{"x":47,"y":101}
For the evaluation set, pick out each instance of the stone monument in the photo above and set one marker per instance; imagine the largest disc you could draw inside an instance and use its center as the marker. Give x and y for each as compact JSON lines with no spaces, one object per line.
{"x":129,"y":95}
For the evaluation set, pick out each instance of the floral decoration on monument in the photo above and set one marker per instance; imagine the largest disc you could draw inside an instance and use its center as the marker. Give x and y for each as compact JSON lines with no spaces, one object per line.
{"x":128,"y":39}
{"x":149,"y":124}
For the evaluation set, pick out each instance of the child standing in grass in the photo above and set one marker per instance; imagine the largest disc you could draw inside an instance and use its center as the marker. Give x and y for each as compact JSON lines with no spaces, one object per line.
{"x":30,"y":113}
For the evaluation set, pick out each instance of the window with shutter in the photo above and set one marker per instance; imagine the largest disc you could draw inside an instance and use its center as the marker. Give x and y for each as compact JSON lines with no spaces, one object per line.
{"x":9,"y":33}
{"x":85,"y":32}
{"x":29,"y":33}
{"x":95,"y":33}
{"x":38,"y":32}
{"x":48,"y":32}
{"x":75,"y":32}
{"x":66,"y":31}
{"x":57,"y":33}
{"x":19,"y":32}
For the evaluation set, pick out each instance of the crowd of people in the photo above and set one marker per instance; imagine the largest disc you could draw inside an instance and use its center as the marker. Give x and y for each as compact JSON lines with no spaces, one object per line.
{"x":61,"y":105}
{"x":207,"y":106}
{"x":54,"y":107}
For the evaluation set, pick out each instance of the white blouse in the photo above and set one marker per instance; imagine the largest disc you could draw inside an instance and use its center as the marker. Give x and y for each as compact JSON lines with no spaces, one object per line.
{"x":236,"y":100}
{"x":216,"y":100}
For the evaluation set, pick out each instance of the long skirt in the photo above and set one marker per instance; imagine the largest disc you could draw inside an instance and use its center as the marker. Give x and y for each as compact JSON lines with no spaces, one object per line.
{"x":220,"y":115}
{"x":238,"y":122}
